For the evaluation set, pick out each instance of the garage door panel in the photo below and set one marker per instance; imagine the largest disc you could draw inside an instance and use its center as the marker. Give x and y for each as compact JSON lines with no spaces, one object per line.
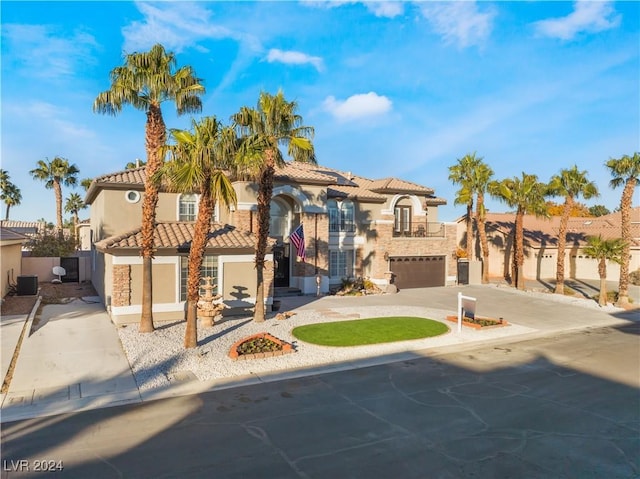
{"x":418,"y":271}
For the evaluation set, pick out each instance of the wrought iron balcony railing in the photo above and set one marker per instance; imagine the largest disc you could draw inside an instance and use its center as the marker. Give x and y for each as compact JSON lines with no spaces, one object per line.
{"x":430,"y":230}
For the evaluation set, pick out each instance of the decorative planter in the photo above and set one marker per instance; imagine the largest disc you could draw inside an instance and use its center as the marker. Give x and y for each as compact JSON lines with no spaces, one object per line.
{"x":285,"y":348}
{"x":480,"y":322}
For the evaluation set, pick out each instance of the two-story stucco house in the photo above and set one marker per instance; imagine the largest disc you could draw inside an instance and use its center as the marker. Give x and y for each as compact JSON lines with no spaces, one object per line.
{"x":354,"y":227}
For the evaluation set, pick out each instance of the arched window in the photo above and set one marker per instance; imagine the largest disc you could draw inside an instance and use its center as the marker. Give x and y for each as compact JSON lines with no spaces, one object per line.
{"x":187,"y":208}
{"x":279,"y":219}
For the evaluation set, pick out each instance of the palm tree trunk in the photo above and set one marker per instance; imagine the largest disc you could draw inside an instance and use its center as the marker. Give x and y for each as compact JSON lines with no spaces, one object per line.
{"x":602,"y":270}
{"x":196,"y":255}
{"x":482,"y":232}
{"x":519,"y":250}
{"x":562,"y":243}
{"x":58,"y":192}
{"x":155,"y":138}
{"x":6,"y":216}
{"x":469,"y":243}
{"x":75,"y":225}
{"x":264,"y":204}
{"x":625,"y":212}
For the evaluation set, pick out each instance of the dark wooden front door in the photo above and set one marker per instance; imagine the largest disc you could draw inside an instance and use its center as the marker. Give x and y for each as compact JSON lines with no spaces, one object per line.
{"x":281,"y":267}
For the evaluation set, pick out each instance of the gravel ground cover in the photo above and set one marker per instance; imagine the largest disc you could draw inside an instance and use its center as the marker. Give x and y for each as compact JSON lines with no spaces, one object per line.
{"x":159,"y":357}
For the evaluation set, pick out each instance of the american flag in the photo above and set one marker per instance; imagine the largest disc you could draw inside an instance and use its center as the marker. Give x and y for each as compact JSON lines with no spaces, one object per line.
{"x":297,"y":238}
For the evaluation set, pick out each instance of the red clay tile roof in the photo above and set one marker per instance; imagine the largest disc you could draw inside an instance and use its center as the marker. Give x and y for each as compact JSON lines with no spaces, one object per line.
{"x":343,"y":184}
{"x":544,"y":231}
{"x":174,"y":235}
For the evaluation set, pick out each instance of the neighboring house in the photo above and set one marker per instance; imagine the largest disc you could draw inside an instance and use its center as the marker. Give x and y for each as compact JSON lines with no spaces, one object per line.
{"x":83,"y":232}
{"x":30,"y":229}
{"x":11,"y":257}
{"x":354,"y":227}
{"x":541,"y":244}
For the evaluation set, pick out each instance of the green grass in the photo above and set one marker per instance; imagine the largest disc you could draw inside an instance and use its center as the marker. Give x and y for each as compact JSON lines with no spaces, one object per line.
{"x":359,"y":332}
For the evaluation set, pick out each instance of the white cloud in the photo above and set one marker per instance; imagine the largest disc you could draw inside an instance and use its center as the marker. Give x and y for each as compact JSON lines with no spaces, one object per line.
{"x":177,"y":25}
{"x":385,"y":9}
{"x":294,"y":58}
{"x":378,"y":8}
{"x":459,"y":22}
{"x":40,"y":51}
{"x":587,"y":16}
{"x":358,"y":106}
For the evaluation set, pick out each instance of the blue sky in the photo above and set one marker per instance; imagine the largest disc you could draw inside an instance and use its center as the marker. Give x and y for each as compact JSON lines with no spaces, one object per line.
{"x":392,"y":88}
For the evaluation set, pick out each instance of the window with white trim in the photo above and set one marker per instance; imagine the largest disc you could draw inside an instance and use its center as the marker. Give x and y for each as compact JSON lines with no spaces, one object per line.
{"x":341,"y":263}
{"x":187,"y":208}
{"x":341,"y":216}
{"x":209,"y":268}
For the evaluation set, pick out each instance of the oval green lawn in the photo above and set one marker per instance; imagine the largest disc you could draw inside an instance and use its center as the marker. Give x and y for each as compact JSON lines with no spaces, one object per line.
{"x":359,"y":332}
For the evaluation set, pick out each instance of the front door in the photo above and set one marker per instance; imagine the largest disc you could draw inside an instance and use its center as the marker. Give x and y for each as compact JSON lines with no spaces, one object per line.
{"x":281,"y":267}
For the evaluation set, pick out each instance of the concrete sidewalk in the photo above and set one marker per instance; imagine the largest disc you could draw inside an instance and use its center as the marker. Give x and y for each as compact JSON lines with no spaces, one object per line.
{"x":73,"y":359}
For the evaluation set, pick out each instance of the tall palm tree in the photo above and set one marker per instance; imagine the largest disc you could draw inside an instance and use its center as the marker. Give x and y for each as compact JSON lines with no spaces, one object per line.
{"x":625,"y":171}
{"x":199,"y":163}
{"x":272,"y":123}
{"x":461,"y":174}
{"x":482,"y":175}
{"x":11,"y":196}
{"x":55,"y":173}
{"x":9,"y":193}
{"x":4,"y":179}
{"x":570,"y":183}
{"x":73,"y":205}
{"x":145,"y":81}
{"x":527,"y":195}
{"x":603,"y":250}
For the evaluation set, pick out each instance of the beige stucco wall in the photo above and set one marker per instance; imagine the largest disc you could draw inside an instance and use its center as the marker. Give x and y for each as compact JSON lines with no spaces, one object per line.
{"x":10,"y":259}
{"x":165,"y":283}
{"x":239,"y":281}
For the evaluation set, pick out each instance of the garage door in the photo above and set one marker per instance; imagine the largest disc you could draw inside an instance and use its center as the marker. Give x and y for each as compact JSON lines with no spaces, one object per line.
{"x":418,"y":271}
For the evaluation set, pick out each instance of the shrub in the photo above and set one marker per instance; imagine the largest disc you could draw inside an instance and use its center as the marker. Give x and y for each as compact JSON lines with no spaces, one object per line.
{"x":49,"y":244}
{"x":634,"y":277}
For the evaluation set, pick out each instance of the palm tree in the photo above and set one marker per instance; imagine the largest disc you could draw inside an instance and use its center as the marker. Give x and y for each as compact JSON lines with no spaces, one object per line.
{"x":570,"y":183}
{"x":11,"y":196}
{"x":86,"y":183}
{"x":198,"y":164}
{"x":527,"y":195}
{"x":9,"y":193}
{"x":461,"y":174}
{"x":603,"y":250}
{"x":145,"y":81}
{"x":55,"y":173}
{"x":625,"y":171}
{"x":272,"y":123}
{"x":73,"y":205}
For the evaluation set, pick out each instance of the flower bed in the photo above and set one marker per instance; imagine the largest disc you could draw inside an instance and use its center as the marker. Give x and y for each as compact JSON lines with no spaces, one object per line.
{"x":261,"y":345}
{"x":480,"y":322}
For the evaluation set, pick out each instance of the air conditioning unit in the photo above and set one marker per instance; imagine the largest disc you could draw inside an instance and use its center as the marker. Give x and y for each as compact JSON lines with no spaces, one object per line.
{"x":27,"y":285}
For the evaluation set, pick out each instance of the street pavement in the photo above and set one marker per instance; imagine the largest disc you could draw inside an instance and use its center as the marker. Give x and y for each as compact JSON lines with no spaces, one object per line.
{"x":563,"y":405}
{"x":558,"y":401}
{"x":71,"y":358}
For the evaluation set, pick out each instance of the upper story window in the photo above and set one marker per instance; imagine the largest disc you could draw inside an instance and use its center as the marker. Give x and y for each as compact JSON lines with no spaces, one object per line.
{"x":278,"y":219}
{"x":187,"y":209}
{"x":402,"y":221}
{"x":341,"y":216}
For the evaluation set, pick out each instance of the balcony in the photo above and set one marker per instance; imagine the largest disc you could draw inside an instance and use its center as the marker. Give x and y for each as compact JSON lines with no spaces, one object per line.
{"x":430,"y":230}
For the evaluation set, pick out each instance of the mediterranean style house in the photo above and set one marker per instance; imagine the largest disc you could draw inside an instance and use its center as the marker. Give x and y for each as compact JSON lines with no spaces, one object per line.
{"x":541,"y":244}
{"x":386,"y":230}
